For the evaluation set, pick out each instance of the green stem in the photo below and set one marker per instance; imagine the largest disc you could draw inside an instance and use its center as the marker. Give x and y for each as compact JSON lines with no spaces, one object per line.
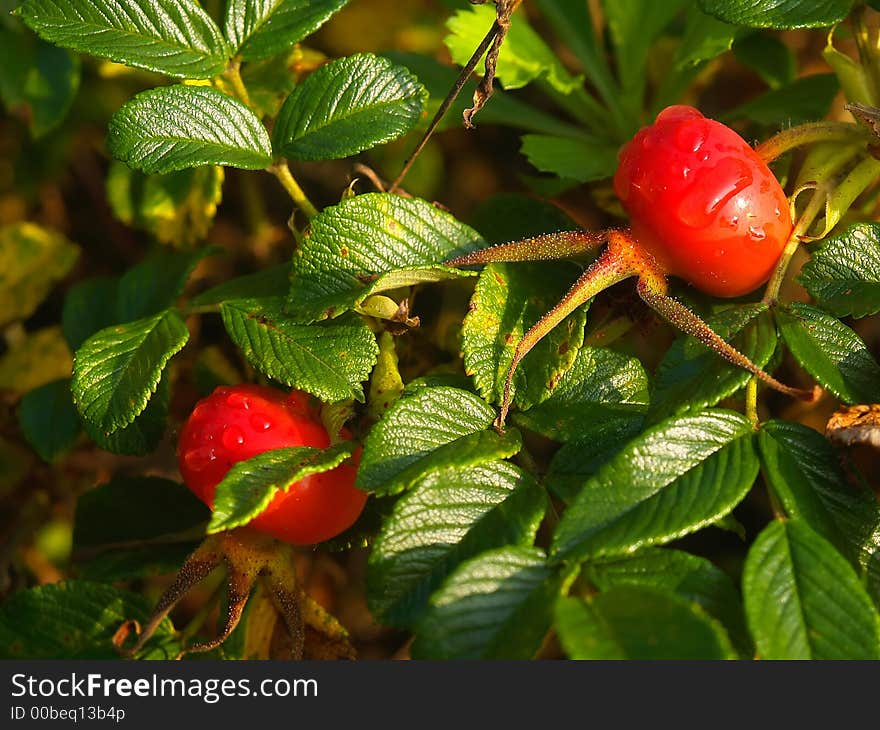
{"x":807,"y":134}
{"x":752,"y":401}
{"x":233,"y":75}
{"x":814,"y":207}
{"x":289,"y":183}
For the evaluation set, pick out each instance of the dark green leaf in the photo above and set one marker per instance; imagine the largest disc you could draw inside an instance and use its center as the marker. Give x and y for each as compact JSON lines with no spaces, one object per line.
{"x":174,"y":37}
{"x":687,"y":576}
{"x":38,"y":81}
{"x":270,"y":282}
{"x":769,"y":56}
{"x":448,"y":517}
{"x":250,"y":485}
{"x":831,"y":352}
{"x":508,"y":300}
{"x":690,"y":376}
{"x":175,"y":127}
{"x":348,"y":106}
{"x":673,"y":479}
{"x":258,"y":29}
{"x":779,"y":13}
{"x":142,"y":435}
{"x":494,"y":606}
{"x":117,"y":370}
{"x":579,"y":459}
{"x":844,"y":274}
{"x":49,"y":420}
{"x":601,"y":389}
{"x":803,"y":100}
{"x":804,"y":472}
{"x":630,"y":622}
{"x":155,"y":284}
{"x":804,"y":601}
{"x":428,"y":431}
{"x":348,"y":244}
{"x":330,"y":360}
{"x":573,"y":159}
{"x":512,"y":216}
{"x":76,"y":620}
{"x":89,"y":306}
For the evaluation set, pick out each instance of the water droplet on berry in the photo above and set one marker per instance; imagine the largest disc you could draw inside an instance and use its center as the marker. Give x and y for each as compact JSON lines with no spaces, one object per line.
{"x":757,"y":234}
{"x":239,"y":400}
{"x":690,"y":137}
{"x":259,"y":422}
{"x":233,"y":437}
{"x":198,"y":459}
{"x":711,"y":188}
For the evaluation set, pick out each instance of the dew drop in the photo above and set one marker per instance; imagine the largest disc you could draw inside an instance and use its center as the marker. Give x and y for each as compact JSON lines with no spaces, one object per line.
{"x":233,"y":437}
{"x":757,"y":234}
{"x":259,"y":422}
{"x":711,"y":188}
{"x":198,"y":459}
{"x":238,"y":400}
{"x":691,"y":136}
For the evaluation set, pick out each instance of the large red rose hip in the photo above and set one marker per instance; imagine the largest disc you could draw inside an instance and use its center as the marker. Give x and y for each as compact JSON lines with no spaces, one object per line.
{"x":238,"y":422}
{"x":703,"y":203}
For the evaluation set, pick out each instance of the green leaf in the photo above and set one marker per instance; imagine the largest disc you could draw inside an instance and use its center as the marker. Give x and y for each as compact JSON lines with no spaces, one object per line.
{"x":691,"y":376}
{"x":174,"y":37}
{"x":86,"y":309}
{"x":574,"y":159}
{"x":136,"y":511}
{"x":175,"y":127}
{"x":831,"y":352}
{"x":348,"y":244}
{"x":524,"y":56}
{"x":142,"y":435}
{"x":330,"y":360}
{"x":803,"y":100}
{"x":257,"y":29}
{"x":600,"y":389}
{"x":802,"y":469}
{"x":447,"y":518}
{"x":250,"y":485}
{"x":273,"y":281}
{"x":117,"y":370}
{"x":32,"y":260}
{"x":704,"y":38}
{"x":579,"y":459}
{"x":347,"y":106}
{"x":634,"y":25}
{"x":689,"y":577}
{"x":48,"y":419}
{"x":177,"y":208}
{"x":804,"y":601}
{"x":507,"y":217}
{"x":844,"y":274}
{"x":673,"y":479}
{"x":769,"y":56}
{"x":77,"y":620}
{"x":779,"y":13}
{"x":37,"y":358}
{"x":38,"y":81}
{"x":508,"y":300}
{"x":634,"y":622}
{"x":428,"y":431}
{"x":494,"y":606}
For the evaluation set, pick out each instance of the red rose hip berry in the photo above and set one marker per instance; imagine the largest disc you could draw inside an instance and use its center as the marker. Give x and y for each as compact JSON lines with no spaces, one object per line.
{"x":703,"y":203}
{"x":236,"y":423}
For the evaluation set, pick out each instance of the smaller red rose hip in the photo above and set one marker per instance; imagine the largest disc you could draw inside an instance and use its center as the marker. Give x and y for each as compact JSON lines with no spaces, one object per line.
{"x":238,"y":422}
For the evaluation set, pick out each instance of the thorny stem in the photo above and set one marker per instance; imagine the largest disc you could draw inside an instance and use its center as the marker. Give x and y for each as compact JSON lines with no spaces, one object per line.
{"x":811,"y":212}
{"x":807,"y":134}
{"x":289,"y":183}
